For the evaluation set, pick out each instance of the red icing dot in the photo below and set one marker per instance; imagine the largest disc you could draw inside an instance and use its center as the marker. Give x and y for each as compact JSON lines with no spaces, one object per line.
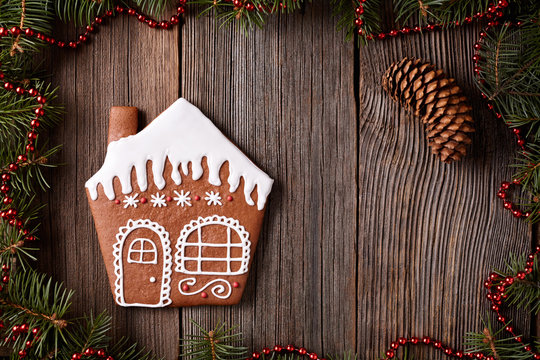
{"x":168,"y":198}
{"x":204,"y":295}
{"x":117,"y":201}
{"x":229,"y":198}
{"x":185,"y":287}
{"x":143,"y":200}
{"x":235,"y":284}
{"x":197,"y":198}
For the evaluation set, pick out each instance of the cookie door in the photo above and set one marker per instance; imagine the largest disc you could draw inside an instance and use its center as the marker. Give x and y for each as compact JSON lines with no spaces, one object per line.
{"x":143,"y":265}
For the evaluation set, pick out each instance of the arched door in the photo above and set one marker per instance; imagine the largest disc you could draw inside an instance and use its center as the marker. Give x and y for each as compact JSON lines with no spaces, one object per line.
{"x":143,"y":265}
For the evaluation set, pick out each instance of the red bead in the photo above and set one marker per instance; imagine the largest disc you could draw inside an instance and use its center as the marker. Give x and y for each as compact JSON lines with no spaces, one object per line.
{"x":98,"y":20}
{"x":22,"y":353}
{"x":249,"y":6}
{"x":517,"y":213}
{"x":229,"y":198}
{"x":185,"y":287}
{"x":389,"y":354}
{"x":131,"y":12}
{"x":109,"y":13}
{"x":521,"y":142}
{"x":204,"y":295}
{"x":8,"y":86}
{"x":381,"y":36}
{"x":501,"y":195}
{"x":13,"y":167}
{"x":174,"y":20}
{"x":394,"y":345}
{"x":35,"y":331}
{"x":313,"y":356}
{"x":110,"y":358}
{"x":359,"y":10}
{"x":255,"y":355}
{"x":39,"y":111}
{"x":143,"y":200}
{"x":502,"y":3}
{"x":437,"y":344}
{"x":301,"y":351}
{"x":141,"y":18}
{"x":28,"y":344}
{"x":527,"y":348}
{"x":15,"y":30}
{"x":235,"y":284}
{"x":197,"y":197}
{"x":505,"y":184}
{"x":5,"y":279}
{"x":266,"y":351}
{"x":7,"y":200}
{"x":278,"y":348}
{"x":117,"y":201}
{"x":76,"y":356}
{"x":477,"y":46}
{"x":35,"y":123}
{"x":23,"y":328}
{"x":507,"y":204}
{"x":509,"y":329}
{"x":521,"y":275}
{"x":289,"y":348}
{"x":169,"y":199}
{"x":501,"y":319}
{"x":5,"y":268}
{"x":89,"y":352}
{"x":426,"y":340}
{"x":19,"y":90}
{"x":3,"y":31}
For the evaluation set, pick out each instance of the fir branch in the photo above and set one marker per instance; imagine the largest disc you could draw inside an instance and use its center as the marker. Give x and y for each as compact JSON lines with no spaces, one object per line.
{"x":220,"y":343}
{"x":494,"y":343}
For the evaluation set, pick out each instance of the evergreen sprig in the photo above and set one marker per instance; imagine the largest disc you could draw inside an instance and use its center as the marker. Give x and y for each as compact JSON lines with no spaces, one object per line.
{"x":221,"y":343}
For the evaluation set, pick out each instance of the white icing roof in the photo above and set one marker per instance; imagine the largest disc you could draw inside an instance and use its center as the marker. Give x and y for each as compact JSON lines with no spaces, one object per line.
{"x":181,"y":134}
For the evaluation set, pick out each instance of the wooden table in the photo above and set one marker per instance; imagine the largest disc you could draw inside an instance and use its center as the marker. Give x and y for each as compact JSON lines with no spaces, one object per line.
{"x":367,"y":235}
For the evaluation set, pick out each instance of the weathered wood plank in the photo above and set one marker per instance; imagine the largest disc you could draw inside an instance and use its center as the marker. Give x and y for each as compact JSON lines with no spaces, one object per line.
{"x":126,"y":64}
{"x":285,"y":95}
{"x":430,"y":232}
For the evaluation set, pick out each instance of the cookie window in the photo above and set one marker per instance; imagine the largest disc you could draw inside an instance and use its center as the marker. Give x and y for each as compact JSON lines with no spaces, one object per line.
{"x":215,"y":245}
{"x":142,"y":251}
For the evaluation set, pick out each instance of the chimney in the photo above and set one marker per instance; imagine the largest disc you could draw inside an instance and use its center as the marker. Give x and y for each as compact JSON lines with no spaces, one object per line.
{"x":122,"y":122}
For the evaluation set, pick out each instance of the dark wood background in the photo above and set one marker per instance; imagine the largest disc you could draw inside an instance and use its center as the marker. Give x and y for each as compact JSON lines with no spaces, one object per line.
{"x":367,"y":236}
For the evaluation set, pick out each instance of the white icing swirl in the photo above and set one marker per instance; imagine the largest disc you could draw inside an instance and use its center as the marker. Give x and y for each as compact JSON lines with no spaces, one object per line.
{"x":183,"y":135}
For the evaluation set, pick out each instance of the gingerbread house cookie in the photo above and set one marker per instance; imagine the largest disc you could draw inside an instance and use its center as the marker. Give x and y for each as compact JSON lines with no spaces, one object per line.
{"x":177,"y":208}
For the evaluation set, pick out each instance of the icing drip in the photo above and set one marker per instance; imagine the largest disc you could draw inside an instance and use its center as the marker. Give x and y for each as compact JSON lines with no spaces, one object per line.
{"x":183,"y":135}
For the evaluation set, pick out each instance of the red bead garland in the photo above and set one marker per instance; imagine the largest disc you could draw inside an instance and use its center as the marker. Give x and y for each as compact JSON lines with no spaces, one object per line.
{"x":505,"y":185}
{"x":280,"y":350}
{"x":493,"y":12}
{"x":90,"y":29}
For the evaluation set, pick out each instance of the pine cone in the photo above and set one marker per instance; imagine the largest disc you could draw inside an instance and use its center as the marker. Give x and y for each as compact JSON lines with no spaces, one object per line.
{"x":438,"y":100}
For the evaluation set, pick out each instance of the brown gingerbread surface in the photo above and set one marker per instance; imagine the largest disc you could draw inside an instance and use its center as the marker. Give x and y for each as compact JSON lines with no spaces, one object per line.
{"x":176,"y":235}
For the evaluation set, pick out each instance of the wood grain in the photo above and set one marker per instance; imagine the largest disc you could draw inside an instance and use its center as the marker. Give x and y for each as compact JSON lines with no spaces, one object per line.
{"x":431,"y":232}
{"x":367,"y":236}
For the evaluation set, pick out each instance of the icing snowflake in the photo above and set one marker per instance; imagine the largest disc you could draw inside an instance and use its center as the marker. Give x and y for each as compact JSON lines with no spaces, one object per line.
{"x":131,"y":201}
{"x":182,"y":198}
{"x":213,"y":198}
{"x":158,"y":200}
